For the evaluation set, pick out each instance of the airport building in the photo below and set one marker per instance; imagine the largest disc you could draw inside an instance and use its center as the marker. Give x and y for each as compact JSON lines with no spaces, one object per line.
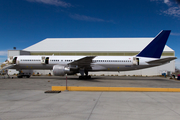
{"x":98,"y":47}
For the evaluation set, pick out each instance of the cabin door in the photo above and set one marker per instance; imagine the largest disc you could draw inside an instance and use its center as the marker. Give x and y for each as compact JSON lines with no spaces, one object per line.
{"x":135,"y":61}
{"x":45,"y":60}
{"x":15,"y":60}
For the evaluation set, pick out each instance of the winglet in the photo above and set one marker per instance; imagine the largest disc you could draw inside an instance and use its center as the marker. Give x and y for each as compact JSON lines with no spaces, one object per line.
{"x":155,"y":48}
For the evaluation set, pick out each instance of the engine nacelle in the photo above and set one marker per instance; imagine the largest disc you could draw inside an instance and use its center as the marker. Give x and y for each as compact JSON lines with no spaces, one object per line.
{"x":59,"y":70}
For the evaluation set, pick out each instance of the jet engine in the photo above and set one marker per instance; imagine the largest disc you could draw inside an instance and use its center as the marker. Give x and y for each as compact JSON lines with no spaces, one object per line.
{"x":59,"y":70}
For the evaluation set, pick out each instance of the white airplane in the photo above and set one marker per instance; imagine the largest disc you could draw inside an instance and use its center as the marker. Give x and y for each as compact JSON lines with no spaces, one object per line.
{"x":61,"y":65}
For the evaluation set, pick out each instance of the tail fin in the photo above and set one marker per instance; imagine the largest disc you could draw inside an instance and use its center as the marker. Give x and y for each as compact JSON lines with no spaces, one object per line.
{"x":155,"y":48}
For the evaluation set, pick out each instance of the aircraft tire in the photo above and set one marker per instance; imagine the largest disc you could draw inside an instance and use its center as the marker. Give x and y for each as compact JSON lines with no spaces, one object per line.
{"x":28,"y":76}
{"x":80,"y":77}
{"x":84,"y":77}
{"x":89,"y":77}
{"x":19,"y":76}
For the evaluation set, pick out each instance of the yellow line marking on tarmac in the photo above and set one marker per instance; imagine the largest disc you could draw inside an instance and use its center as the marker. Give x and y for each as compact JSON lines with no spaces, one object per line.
{"x":114,"y":89}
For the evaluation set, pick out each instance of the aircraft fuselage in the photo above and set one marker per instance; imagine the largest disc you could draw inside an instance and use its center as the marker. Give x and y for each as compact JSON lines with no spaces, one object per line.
{"x":99,"y":63}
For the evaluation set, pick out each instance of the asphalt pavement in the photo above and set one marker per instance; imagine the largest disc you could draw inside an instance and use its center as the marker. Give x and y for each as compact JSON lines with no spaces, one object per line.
{"x":24,"y":99}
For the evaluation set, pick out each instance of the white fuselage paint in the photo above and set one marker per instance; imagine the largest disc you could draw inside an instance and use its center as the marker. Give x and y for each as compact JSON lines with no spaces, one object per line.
{"x":100,"y":63}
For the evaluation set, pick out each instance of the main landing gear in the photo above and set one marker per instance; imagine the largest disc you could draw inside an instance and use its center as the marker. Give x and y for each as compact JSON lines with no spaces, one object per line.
{"x":22,"y":74}
{"x":86,"y":76}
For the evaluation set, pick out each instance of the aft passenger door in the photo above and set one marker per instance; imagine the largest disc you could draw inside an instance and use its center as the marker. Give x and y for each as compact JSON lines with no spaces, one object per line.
{"x":135,"y":61}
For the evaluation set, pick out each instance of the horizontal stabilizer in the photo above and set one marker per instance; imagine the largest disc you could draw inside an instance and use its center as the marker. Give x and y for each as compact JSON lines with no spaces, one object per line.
{"x":162,"y":61}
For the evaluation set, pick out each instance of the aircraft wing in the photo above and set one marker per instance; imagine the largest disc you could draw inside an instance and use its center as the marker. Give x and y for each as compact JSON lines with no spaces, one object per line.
{"x":83,"y":62}
{"x":6,"y":67}
{"x":162,"y":61}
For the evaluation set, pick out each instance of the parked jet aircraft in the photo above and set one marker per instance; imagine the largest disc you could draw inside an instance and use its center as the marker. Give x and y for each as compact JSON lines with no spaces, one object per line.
{"x":61,"y":65}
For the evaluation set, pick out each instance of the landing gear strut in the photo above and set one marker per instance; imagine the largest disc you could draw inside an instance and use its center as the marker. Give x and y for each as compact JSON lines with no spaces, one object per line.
{"x":82,"y":72}
{"x":23,"y":75}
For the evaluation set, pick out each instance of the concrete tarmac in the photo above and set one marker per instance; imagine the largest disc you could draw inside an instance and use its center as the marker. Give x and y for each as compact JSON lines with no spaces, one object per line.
{"x":45,"y":82}
{"x":24,"y":99}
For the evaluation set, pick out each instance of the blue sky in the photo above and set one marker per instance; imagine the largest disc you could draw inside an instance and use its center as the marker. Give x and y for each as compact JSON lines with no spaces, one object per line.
{"x":26,"y":22}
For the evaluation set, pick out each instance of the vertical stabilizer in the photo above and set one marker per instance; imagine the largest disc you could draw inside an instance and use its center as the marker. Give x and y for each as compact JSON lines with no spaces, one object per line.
{"x":155,"y":48}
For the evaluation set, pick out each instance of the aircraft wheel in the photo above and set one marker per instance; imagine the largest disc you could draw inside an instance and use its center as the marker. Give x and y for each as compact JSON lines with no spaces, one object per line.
{"x":84,"y":77}
{"x":80,"y":77}
{"x":28,"y":76}
{"x":19,"y":76}
{"x":89,"y":77}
